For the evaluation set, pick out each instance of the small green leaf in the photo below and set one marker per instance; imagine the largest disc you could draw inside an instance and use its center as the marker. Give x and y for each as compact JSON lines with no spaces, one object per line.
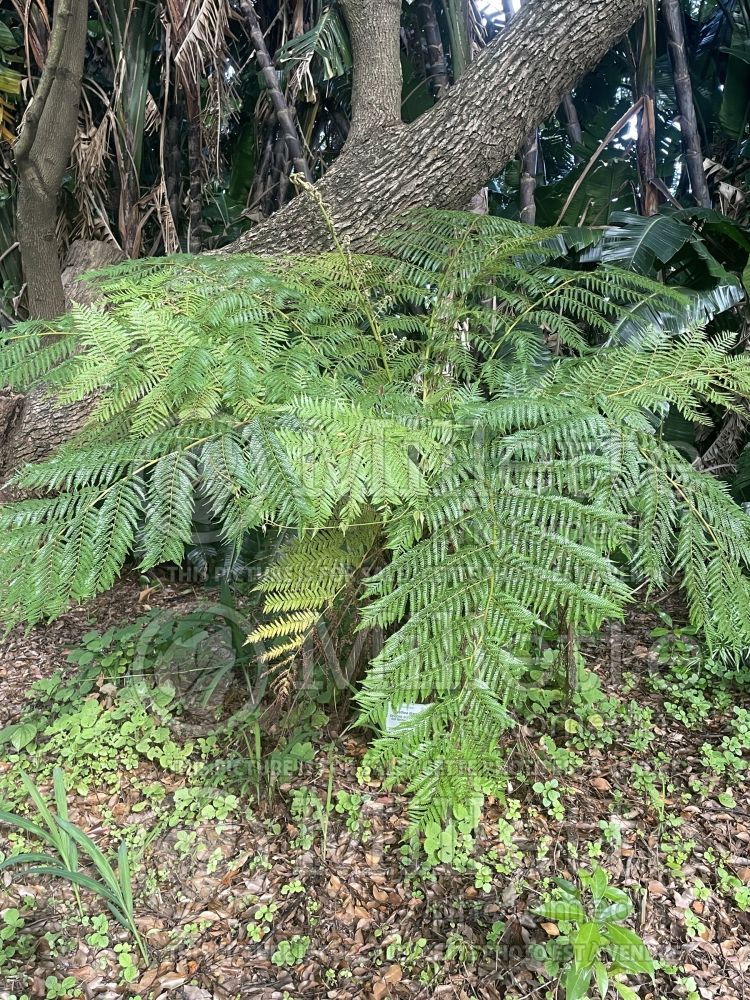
{"x":599,"y":884}
{"x":577,"y":982}
{"x":24,"y":734}
{"x":561,"y":909}
{"x":601,"y":978}
{"x":616,"y":895}
{"x":628,"y":950}
{"x":625,"y":991}
{"x":586,"y":944}
{"x":614,"y":911}
{"x":569,"y":887}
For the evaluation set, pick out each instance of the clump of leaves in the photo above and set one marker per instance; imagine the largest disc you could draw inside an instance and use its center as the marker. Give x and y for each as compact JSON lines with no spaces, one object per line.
{"x":695,"y":684}
{"x":65,"y":840}
{"x":593,"y":947}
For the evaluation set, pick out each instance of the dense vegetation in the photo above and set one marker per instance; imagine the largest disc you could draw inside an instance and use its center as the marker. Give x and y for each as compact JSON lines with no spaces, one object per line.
{"x":465,"y":437}
{"x":412,"y":556}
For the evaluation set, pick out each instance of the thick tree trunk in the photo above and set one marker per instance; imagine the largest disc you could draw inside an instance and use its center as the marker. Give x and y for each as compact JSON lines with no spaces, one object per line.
{"x":689,"y":134}
{"x":375,"y":30}
{"x":449,"y":152}
{"x":31,"y":426}
{"x":42,"y":153}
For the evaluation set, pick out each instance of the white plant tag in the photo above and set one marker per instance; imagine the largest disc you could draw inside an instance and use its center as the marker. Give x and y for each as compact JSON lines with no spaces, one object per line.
{"x":402,"y":714}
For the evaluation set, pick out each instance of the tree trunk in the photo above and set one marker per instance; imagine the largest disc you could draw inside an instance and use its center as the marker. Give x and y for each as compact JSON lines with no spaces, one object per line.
{"x":527,"y":187}
{"x":441,"y":159}
{"x":283,"y":113}
{"x":375,"y":30}
{"x":572,"y":123}
{"x":451,"y":151}
{"x":689,"y":134}
{"x":195,"y":166}
{"x":31,"y":426}
{"x":646,"y":91}
{"x":42,"y":152}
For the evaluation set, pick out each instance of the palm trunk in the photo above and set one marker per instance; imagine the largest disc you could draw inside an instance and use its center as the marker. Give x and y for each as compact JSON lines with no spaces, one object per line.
{"x":529,"y":166}
{"x":646,"y":91}
{"x":572,"y":124}
{"x":280,"y":106}
{"x":195,"y":166}
{"x":437,"y":68}
{"x":689,"y":134}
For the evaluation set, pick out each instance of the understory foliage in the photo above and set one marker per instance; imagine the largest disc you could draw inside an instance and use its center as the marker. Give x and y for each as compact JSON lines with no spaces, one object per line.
{"x":465,"y":431}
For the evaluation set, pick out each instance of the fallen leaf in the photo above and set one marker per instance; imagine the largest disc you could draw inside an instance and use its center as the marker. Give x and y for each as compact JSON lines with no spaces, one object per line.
{"x":381,"y":985}
{"x":552,"y":930}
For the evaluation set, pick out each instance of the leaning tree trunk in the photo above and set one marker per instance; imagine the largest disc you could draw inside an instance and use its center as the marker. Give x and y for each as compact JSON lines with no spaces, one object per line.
{"x":449,"y":152}
{"x":42,"y":153}
{"x":31,"y":426}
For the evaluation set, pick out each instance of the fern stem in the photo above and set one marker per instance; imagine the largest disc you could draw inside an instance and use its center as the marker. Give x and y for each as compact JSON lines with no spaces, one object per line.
{"x":345,"y":255}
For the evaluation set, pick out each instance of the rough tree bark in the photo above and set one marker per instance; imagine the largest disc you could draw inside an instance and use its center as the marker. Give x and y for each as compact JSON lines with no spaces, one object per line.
{"x":42,"y":153}
{"x":448,"y":153}
{"x":689,"y":134}
{"x":375,"y":30}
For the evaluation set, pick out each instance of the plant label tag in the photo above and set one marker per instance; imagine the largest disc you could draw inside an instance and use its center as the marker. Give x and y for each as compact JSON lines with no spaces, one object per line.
{"x":402,"y":714}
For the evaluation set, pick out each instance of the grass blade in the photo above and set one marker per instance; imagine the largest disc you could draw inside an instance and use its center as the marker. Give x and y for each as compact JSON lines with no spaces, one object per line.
{"x":98,"y":858}
{"x":12,"y":819}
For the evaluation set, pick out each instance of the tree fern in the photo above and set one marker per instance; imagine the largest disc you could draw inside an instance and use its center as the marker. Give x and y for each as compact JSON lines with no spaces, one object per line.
{"x":462,"y":431}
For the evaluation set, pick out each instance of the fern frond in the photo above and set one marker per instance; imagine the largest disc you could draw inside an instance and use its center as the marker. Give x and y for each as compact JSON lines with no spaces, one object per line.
{"x":461,"y":434}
